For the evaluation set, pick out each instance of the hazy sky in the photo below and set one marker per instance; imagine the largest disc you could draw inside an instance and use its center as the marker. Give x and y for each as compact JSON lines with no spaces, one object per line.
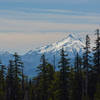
{"x":26,"y":24}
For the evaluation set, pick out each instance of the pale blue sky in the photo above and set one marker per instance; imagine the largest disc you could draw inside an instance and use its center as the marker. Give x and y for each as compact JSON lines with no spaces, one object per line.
{"x":41,"y":19}
{"x":78,"y":5}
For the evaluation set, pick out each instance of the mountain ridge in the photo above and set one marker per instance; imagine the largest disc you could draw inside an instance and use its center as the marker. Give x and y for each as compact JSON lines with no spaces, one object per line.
{"x":72,"y":44}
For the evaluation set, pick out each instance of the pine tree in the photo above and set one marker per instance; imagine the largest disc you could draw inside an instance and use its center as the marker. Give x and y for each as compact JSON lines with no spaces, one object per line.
{"x":22,"y":80}
{"x":77,"y":82}
{"x":86,"y":64}
{"x":64,"y":70}
{"x":17,"y":76}
{"x":2,"y":81}
{"x":10,"y":81}
{"x":43,"y":78}
{"x":50,"y":75}
{"x":96,"y":59}
{"x":96,"y":67}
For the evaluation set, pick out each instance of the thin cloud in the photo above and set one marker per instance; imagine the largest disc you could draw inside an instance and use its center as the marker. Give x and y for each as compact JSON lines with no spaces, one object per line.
{"x":28,"y":22}
{"x":23,"y":26}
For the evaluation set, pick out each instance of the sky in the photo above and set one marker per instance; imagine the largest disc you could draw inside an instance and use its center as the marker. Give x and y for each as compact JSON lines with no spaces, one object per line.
{"x":28,"y":24}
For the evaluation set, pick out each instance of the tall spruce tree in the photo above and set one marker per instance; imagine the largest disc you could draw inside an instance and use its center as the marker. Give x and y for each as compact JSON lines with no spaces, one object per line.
{"x":10,"y":81}
{"x":2,"y":81}
{"x":96,"y":66}
{"x":43,"y":78}
{"x":86,"y":64}
{"x":63,"y":81}
{"x":50,"y":79}
{"x":22,"y":80}
{"x":17,"y":76}
{"x":96,"y":49}
{"x":77,"y":82}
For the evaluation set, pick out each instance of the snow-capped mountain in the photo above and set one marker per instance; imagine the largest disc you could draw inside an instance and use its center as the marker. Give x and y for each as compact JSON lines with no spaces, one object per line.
{"x":72,"y":44}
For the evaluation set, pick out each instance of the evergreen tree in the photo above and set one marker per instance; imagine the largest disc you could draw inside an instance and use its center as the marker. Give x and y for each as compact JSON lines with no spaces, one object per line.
{"x":86,"y":64}
{"x":96,"y":67}
{"x":43,"y":78}
{"x":2,"y":81}
{"x":97,"y":54}
{"x":64,"y":70}
{"x":10,"y":81}
{"x":77,"y":82}
{"x":31,"y":90}
{"x":50,"y":75}
{"x":22,"y":80}
{"x":17,"y":76}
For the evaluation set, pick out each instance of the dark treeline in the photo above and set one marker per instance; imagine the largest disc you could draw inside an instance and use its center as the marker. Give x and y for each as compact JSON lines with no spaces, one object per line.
{"x":81,"y":82}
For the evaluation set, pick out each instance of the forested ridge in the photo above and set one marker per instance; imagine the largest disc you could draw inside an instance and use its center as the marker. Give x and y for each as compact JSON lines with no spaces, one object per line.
{"x":81,"y":82}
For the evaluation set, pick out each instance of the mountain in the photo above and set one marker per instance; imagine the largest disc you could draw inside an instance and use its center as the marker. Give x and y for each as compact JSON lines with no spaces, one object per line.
{"x":72,"y":43}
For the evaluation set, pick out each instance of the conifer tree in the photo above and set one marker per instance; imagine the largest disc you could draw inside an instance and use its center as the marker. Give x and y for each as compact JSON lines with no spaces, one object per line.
{"x":10,"y":81}
{"x":86,"y":64}
{"x":17,"y":76}
{"x":77,"y":83}
{"x":50,"y":79}
{"x":2,"y":81}
{"x":96,"y":49}
{"x":64,"y":70}
{"x":96,"y":66}
{"x":76,"y":79}
{"x":22,"y":80}
{"x":43,"y":78}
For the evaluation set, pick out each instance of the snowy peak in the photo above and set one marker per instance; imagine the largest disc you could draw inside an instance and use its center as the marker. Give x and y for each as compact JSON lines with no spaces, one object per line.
{"x":69,"y":43}
{"x":72,"y":36}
